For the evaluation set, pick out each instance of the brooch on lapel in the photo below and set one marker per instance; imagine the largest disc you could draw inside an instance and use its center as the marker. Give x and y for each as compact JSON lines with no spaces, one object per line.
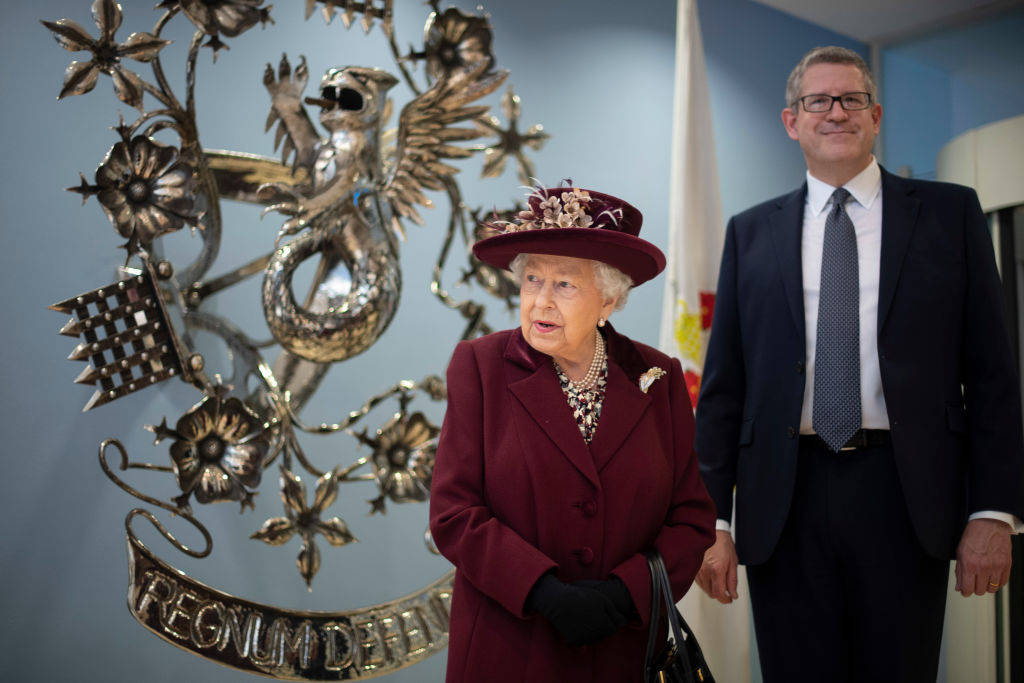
{"x":649,"y":377}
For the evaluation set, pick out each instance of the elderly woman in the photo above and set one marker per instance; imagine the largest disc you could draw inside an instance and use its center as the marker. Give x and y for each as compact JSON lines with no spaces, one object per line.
{"x":566,"y":452}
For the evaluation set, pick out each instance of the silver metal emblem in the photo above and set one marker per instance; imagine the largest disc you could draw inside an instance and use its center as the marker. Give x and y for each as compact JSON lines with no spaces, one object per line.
{"x":342,"y":190}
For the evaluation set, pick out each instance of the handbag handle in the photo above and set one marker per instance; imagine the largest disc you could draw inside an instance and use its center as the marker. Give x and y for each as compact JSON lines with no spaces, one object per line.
{"x":670,"y":604}
{"x":661,"y":594}
{"x":652,"y":633}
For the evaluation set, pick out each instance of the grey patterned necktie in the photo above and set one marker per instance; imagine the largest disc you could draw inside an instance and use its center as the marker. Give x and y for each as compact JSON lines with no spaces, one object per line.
{"x":837,"y":358}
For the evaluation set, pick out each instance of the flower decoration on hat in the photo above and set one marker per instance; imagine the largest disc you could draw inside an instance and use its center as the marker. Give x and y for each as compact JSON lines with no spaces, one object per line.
{"x":572,"y":207}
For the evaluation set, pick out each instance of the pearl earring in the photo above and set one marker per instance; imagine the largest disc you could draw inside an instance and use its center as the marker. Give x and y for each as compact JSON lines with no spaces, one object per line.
{"x":600,"y":322}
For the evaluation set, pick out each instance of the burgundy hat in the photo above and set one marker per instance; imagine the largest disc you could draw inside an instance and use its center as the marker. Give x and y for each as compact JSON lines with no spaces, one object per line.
{"x":569,"y":221}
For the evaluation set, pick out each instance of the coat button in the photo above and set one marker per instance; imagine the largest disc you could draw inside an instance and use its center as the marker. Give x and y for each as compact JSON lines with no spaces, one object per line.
{"x":589,"y":508}
{"x":799,"y":367}
{"x":585,"y":555}
{"x":790,"y":432}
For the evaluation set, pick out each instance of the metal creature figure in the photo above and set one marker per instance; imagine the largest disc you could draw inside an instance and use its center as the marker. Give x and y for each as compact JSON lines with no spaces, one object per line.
{"x":350,"y":214}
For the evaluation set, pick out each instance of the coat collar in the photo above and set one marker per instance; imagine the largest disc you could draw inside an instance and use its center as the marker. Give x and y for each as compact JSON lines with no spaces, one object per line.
{"x":621,"y":350}
{"x":899,"y":215}
{"x":532,"y":380}
{"x":787,"y":227}
{"x":624,"y":402}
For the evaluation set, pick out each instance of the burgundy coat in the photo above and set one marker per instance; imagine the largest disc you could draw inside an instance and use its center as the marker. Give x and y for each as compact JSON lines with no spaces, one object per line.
{"x":517,"y":492}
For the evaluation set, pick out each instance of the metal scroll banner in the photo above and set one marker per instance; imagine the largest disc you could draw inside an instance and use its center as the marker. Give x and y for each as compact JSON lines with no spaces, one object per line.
{"x":286,"y":644}
{"x":344,"y":197}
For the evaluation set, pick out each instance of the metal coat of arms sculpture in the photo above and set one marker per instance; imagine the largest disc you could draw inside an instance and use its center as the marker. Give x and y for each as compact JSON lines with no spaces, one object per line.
{"x":343,"y":196}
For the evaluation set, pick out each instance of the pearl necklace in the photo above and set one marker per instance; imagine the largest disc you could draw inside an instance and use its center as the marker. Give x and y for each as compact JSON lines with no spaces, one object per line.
{"x":593,"y":372}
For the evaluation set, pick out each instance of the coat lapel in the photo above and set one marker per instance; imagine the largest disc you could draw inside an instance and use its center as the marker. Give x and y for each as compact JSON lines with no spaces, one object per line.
{"x":899,"y":216}
{"x":531,"y":379}
{"x":624,"y":402}
{"x":787,"y":227}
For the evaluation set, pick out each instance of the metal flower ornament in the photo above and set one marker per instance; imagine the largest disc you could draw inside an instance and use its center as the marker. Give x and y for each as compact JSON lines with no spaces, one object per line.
{"x":457,"y":43}
{"x":305,"y":520}
{"x":218,"y":451}
{"x":342,"y":199}
{"x":213,"y":17}
{"x":403,"y":459}
{"x":145,"y":188}
{"x":81,"y":77}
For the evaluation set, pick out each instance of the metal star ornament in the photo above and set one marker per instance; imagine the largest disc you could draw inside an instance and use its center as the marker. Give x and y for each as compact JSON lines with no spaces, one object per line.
{"x":510,"y":141}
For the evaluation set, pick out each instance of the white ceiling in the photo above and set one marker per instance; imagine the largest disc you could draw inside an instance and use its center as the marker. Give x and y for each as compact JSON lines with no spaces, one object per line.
{"x":888,"y":21}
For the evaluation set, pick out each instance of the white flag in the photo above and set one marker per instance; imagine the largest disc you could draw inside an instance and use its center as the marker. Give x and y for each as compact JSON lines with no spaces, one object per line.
{"x":696,"y":232}
{"x":696,"y":229}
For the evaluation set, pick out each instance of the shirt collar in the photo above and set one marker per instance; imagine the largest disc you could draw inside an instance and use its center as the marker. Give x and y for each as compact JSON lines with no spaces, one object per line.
{"x":864,"y":187}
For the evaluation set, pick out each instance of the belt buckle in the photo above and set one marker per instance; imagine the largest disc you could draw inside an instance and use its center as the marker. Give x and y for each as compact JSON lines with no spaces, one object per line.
{"x":857,"y":440}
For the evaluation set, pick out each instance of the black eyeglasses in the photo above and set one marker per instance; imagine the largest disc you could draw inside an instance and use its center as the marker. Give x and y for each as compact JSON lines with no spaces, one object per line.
{"x":849,"y":101}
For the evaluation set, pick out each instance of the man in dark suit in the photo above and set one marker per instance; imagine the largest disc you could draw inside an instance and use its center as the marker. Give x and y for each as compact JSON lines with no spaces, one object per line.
{"x":861,"y":399}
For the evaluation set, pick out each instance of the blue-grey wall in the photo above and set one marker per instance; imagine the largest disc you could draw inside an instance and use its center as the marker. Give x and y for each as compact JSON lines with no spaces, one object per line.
{"x":939,"y":86}
{"x":597,"y":74}
{"x":600,"y":81}
{"x":749,"y":51}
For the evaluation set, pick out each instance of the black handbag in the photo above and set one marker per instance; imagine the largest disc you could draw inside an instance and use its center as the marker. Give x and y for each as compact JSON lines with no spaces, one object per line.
{"x":677,"y":659}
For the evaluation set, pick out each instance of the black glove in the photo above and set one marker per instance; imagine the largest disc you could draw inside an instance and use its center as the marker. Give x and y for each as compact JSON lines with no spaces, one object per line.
{"x":615,"y":590}
{"x":582,"y":615}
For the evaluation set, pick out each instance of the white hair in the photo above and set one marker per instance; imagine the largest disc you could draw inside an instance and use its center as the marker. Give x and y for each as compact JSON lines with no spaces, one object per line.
{"x":610,"y":281}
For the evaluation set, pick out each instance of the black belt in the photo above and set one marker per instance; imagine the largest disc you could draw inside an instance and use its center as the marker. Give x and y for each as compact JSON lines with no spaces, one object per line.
{"x":862,"y":438}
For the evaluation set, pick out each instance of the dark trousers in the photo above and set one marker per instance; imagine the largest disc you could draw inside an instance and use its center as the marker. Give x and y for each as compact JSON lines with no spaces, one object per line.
{"x":848,"y":595}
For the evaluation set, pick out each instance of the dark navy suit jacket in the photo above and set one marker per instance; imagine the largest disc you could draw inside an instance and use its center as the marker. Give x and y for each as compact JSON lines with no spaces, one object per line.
{"x":948,"y":372}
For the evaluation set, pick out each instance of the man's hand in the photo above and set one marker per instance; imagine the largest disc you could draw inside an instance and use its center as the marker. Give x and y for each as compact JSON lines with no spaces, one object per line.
{"x":983,"y":557}
{"x":717,"y":575}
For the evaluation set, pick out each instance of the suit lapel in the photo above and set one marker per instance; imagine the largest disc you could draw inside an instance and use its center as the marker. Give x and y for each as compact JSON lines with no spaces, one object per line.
{"x":624,"y":402}
{"x":899,"y":216}
{"x":531,"y":379}
{"x":787,"y":228}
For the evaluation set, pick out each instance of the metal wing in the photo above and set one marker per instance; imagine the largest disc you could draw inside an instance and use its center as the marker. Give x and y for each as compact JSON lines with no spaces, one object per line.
{"x":425,"y":136}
